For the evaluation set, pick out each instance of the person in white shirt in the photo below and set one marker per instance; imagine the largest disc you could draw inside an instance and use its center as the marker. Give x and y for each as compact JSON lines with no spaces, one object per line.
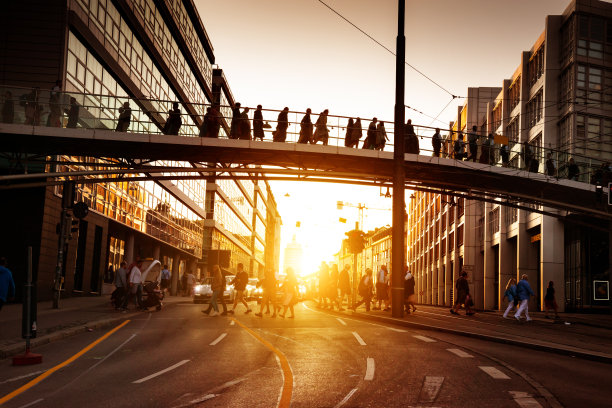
{"x":381,"y":288}
{"x":136,"y":283}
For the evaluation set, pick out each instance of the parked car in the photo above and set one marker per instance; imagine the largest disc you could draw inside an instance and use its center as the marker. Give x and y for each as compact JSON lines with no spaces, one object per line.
{"x":250,"y":290}
{"x":202,"y":292}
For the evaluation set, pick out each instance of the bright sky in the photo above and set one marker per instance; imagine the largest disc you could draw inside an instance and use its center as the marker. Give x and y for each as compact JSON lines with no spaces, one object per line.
{"x":300,"y":54}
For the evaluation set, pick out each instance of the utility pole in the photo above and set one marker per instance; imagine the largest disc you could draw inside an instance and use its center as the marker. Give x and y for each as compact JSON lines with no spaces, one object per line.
{"x":399,"y":208}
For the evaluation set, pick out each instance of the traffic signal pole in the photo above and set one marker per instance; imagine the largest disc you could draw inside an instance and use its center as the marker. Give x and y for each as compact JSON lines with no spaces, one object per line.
{"x":399,"y":208}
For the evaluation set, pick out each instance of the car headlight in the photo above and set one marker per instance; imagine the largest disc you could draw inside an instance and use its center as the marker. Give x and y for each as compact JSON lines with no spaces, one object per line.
{"x":198,"y":289}
{"x":302,"y":289}
{"x":258,"y":290}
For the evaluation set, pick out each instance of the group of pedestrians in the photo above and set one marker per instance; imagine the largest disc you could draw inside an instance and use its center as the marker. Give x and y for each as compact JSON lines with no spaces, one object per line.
{"x":334,"y":286}
{"x":128,"y":283}
{"x":519,"y":294}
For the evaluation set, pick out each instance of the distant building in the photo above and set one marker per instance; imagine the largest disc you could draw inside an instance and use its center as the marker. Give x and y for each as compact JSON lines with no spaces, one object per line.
{"x":293,"y":257}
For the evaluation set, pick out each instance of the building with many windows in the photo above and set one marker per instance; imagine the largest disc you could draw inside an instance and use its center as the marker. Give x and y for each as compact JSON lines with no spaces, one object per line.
{"x":557,"y":101}
{"x":148,"y":53}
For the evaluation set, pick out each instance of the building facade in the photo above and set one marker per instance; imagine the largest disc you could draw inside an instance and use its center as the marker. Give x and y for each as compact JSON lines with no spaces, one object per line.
{"x":149,"y":53}
{"x":558,"y":98}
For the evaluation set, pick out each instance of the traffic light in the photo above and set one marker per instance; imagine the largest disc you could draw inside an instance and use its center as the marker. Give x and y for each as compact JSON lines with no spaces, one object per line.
{"x":356,"y":241}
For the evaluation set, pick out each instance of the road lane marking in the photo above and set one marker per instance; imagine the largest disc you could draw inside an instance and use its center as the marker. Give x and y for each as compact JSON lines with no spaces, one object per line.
{"x":431,"y":388}
{"x":47,"y":373}
{"x":345,"y":399}
{"x":359,"y":339}
{"x":218,"y":339}
{"x":284,"y":400}
{"x":425,"y":339}
{"x":32,"y":403}
{"x":21,"y":377}
{"x":369,"y":375}
{"x":157,"y":374}
{"x":460,"y":353}
{"x":494,"y":372}
{"x":396,"y":330}
{"x":524,"y":400}
{"x":342,"y":322}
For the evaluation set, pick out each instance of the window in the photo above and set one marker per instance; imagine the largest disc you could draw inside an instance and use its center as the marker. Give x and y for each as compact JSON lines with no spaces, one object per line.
{"x":514,"y":92}
{"x":460,"y":236}
{"x":512,"y":130}
{"x":536,"y":65}
{"x":534,"y":109}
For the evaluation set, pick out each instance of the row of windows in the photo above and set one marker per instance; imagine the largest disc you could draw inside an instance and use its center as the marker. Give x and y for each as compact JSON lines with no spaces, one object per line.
{"x":238,"y":255}
{"x":233,"y":224}
{"x":236,"y":196}
{"x":514,"y":93}
{"x":535,"y":67}
{"x":534,"y":110}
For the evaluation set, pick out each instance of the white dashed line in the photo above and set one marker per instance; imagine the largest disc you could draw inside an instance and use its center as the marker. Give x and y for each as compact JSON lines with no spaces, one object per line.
{"x":21,"y":377}
{"x":425,"y":339}
{"x":431,"y":388}
{"x":342,"y":322}
{"x":460,"y":353}
{"x":396,"y":330}
{"x":369,"y":375}
{"x":359,"y":339}
{"x":32,"y":403}
{"x":494,"y":372}
{"x":218,"y":339}
{"x":524,"y":400}
{"x":348,"y":397}
{"x":177,"y":365}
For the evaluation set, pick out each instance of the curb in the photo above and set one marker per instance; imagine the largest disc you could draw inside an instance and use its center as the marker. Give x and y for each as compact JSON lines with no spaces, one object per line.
{"x":557,"y":349}
{"x":17,"y":348}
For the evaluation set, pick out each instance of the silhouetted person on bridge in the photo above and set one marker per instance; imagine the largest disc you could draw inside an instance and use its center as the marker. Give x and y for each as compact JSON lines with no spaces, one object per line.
{"x":356,"y":134}
{"x":348,"y":138}
{"x":125,"y":116}
{"x":306,"y":128}
{"x":8,"y":109}
{"x":370,"y":140}
{"x":55,"y":110}
{"x":174,"y":121}
{"x":211,"y":124}
{"x":504,"y":155}
{"x":473,"y":144}
{"x":234,"y":127}
{"x":321,"y":133}
{"x":486,"y":150}
{"x":280,"y":134}
{"x":381,"y":136}
{"x":411,"y":141}
{"x":436,"y":143}
{"x":459,"y":147}
{"x":32,"y":108}
{"x":73,"y":113}
{"x":258,"y":124}
{"x":551,"y":169}
{"x":244,"y":132}
{"x":572,"y":169}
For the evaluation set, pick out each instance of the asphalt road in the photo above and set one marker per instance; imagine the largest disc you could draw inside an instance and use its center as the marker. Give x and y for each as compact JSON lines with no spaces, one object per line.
{"x":181,"y":358}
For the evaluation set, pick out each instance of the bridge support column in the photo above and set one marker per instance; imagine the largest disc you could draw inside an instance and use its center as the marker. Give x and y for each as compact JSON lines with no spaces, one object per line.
{"x":507,"y":264}
{"x":157,"y":254}
{"x":552,"y":255}
{"x":489,"y":271}
{"x":526,"y":262}
{"x":176,"y":262}
{"x":129,"y":248}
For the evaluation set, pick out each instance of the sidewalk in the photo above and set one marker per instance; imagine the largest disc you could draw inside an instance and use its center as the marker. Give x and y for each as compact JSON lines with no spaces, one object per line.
{"x":587,"y":336}
{"x":75,"y":315}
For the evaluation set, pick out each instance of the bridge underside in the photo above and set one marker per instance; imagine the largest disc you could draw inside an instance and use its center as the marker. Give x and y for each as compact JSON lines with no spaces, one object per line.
{"x":302,"y":162}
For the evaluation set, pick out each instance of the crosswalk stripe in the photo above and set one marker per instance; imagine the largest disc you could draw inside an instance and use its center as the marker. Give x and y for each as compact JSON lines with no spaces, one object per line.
{"x":460,"y":353}
{"x":494,"y":372}
{"x":425,"y":339}
{"x":524,"y":400}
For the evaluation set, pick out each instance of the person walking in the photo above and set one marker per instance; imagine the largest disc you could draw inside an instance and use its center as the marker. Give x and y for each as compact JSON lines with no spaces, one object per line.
{"x":370,"y":140}
{"x":459,"y":147}
{"x":551,"y":169}
{"x":290,"y":290}
{"x":381,"y":287}
{"x":244,"y":131}
{"x":344,"y":284}
{"x":486,"y":150}
{"x":504,"y":155}
{"x":323,"y":284}
{"x":334,"y":276}
{"x":191,"y":281}
{"x":464,"y":298}
{"x":306,"y":128}
{"x":572,"y":169}
{"x":436,"y":143}
{"x":7,"y":284}
{"x":510,"y":294}
{"x":235,"y":122}
{"x":523,"y":293}
{"x":136,"y":284}
{"x":174,"y":121}
{"x":165,"y":279}
{"x":321,"y":132}
{"x":411,"y":141}
{"x":549,"y":300}
{"x":348,"y":137}
{"x":280,"y":134}
{"x":258,"y":124}
{"x":121,"y":293}
{"x":240,"y":281}
{"x":365,"y":290}
{"x":356,"y":134}
{"x":473,"y":144}
{"x":409,"y":295}
{"x":8,"y":109}
{"x":269,"y":294}
{"x":381,"y":136}
{"x":125,"y":116}
{"x":216,"y":286}
{"x":73,"y":113}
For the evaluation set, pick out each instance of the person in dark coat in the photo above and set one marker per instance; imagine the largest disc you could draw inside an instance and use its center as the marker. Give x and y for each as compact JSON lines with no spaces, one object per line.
{"x":244,"y":132}
{"x":411,"y":141}
{"x":306,"y":128}
{"x":125,"y":116}
{"x":258,"y":124}
{"x":409,"y":295}
{"x":174,"y":121}
{"x":8,"y":109}
{"x":436,"y":143}
{"x":321,"y":133}
{"x":504,"y":155}
{"x":348,"y":138}
{"x":463,"y":295}
{"x":365,"y":290}
{"x":485,"y":150}
{"x":280,"y":134}
{"x":73,"y":113}
{"x":473,"y":143}
{"x":344,"y":284}
{"x":572,"y":169}
{"x":551,"y":169}
{"x":234,"y":127}
{"x":381,"y":136}
{"x":370,"y":140}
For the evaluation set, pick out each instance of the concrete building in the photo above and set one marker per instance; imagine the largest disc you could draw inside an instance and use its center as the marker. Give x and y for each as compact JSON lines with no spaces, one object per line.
{"x":558,"y":98}
{"x":150,"y":54}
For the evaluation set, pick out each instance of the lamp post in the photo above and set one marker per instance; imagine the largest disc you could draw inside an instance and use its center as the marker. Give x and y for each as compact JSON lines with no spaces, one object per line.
{"x":397,"y":260}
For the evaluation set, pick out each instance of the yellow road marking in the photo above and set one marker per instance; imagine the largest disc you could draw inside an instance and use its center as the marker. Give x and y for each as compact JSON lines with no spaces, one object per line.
{"x":285,"y":399}
{"x":47,"y":373}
